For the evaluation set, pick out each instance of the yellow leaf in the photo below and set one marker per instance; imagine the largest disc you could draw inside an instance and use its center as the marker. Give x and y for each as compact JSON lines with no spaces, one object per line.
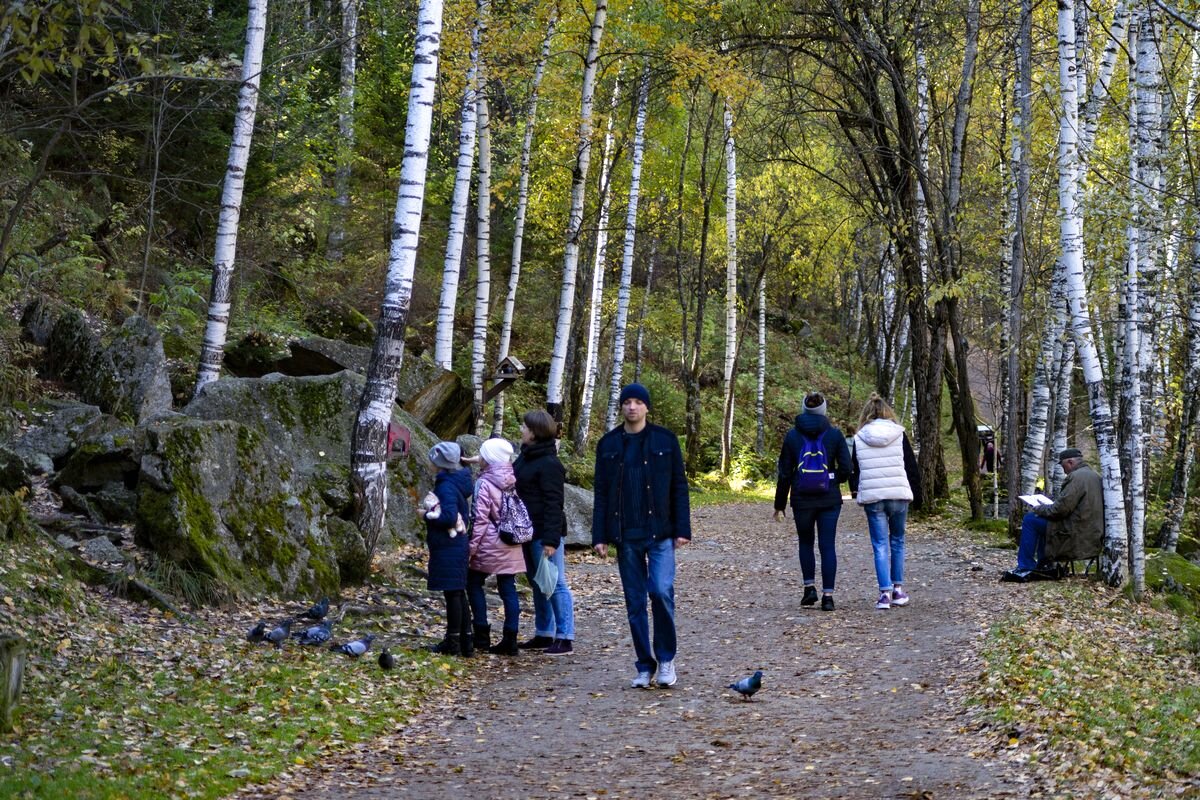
{"x":62,"y":646}
{"x":8,"y":601}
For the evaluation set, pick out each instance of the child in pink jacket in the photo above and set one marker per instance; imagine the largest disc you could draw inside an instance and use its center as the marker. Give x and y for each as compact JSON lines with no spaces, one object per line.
{"x":489,"y":555}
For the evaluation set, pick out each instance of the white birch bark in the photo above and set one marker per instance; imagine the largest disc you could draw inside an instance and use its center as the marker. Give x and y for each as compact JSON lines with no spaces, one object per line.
{"x":483,"y":254}
{"x":216,"y":329}
{"x":922,"y":149}
{"x":443,"y":347}
{"x":336,"y":240}
{"x":1071,"y":240}
{"x":731,"y":265}
{"x":369,"y":442}
{"x":514,"y":272}
{"x":583,"y":156}
{"x":591,"y":363}
{"x":624,"y":287}
{"x":760,"y":395}
{"x":1100,"y":87}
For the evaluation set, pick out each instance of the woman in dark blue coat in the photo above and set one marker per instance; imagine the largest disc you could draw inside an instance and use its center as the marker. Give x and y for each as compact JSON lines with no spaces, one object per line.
{"x":448,"y":548}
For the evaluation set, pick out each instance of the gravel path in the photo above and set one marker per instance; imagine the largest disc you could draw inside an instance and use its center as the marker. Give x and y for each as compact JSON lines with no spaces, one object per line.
{"x":856,"y":703}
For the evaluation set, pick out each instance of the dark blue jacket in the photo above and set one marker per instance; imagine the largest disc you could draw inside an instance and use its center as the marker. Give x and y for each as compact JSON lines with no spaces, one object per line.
{"x":448,"y":556}
{"x":666,"y":488}
{"x":837,"y":455}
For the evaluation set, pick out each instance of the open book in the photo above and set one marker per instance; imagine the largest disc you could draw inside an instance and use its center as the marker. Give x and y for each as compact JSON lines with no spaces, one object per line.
{"x":1036,"y":499}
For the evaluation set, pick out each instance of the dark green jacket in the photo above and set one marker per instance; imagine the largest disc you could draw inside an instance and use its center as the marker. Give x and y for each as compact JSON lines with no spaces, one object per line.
{"x":1076,"y":517}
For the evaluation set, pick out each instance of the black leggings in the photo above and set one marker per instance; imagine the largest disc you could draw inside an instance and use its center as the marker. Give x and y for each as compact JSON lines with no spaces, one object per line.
{"x":458,"y":613}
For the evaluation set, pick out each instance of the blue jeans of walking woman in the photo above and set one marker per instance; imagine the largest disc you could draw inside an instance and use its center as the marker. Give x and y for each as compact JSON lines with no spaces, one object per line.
{"x":885,"y":521}
{"x":647,"y":568}
{"x":819,"y":526}
{"x":553,"y":617}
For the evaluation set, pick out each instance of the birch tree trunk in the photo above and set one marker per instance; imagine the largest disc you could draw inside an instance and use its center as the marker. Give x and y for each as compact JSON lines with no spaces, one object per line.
{"x":483,"y":247}
{"x":922,"y":147}
{"x":760,"y":397}
{"x":583,"y":156}
{"x":336,"y":240}
{"x":729,"y":379}
{"x":623,"y":289}
{"x":443,"y":347}
{"x":514,"y":273}
{"x":369,"y":442}
{"x":1071,"y":236}
{"x":591,"y":364}
{"x":216,"y":329}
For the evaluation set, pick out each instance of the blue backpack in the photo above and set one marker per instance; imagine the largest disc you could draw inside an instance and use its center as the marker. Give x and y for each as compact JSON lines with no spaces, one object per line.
{"x":812,"y":467}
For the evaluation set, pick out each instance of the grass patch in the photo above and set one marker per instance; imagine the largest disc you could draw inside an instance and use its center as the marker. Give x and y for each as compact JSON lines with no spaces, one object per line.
{"x":122,"y":701}
{"x":1100,"y":687}
{"x":711,"y":491}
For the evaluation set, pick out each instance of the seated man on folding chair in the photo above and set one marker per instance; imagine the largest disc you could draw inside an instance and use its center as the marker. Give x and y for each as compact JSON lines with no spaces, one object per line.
{"x":1069,"y":529}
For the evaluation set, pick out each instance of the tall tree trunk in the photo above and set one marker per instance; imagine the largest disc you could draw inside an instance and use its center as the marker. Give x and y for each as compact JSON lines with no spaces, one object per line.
{"x":641,"y":335}
{"x":514,"y":273}
{"x":693,"y":408}
{"x":483,"y":247}
{"x":591,"y":365}
{"x":443,"y":346}
{"x":369,"y":443}
{"x":336,"y":240}
{"x":728,"y":377}
{"x":1019,"y":202}
{"x":583,"y":156}
{"x":760,"y":395}
{"x":1071,"y":234}
{"x":623,"y":289}
{"x":213,"y":349}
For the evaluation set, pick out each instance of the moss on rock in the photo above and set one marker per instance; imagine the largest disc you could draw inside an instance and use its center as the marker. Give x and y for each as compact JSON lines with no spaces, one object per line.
{"x":1177,"y":578}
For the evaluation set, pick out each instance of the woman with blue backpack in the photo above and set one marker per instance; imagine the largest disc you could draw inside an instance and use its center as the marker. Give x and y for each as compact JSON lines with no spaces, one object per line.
{"x":813,"y":463}
{"x":495,"y":505}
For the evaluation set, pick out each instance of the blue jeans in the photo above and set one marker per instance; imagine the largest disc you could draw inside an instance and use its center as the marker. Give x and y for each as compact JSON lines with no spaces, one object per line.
{"x":1033,"y":542}
{"x":818,"y":524}
{"x":647,"y":567}
{"x":885,"y":521}
{"x":506,"y":586}
{"x":553,"y":617}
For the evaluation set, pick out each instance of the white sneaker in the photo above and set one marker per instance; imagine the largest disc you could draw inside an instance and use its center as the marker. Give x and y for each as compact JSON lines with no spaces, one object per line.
{"x":642,"y":681}
{"x":884,"y":601}
{"x":666,"y":673}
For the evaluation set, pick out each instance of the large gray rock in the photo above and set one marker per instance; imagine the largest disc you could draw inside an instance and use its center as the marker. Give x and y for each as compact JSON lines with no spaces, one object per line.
{"x":14,"y":471}
{"x":219,"y":498}
{"x":58,"y":431}
{"x":578,"y":507}
{"x":309,"y":420}
{"x":124,"y":373}
{"x":102,"y":458}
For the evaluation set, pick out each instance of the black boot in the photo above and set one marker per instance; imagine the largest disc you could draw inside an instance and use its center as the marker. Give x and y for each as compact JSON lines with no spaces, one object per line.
{"x":810,"y":596}
{"x":507,"y":646}
{"x":537,"y":643}
{"x":448,"y":646}
{"x":483,"y":637}
{"x":466,"y":638}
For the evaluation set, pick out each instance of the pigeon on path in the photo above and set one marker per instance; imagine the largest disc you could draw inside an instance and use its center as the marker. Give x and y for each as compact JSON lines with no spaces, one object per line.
{"x":280,"y":632}
{"x":746,"y":687}
{"x":355,"y":648}
{"x":318,"y":611}
{"x":386,"y":659}
{"x":316,"y":634}
{"x":258,"y":633}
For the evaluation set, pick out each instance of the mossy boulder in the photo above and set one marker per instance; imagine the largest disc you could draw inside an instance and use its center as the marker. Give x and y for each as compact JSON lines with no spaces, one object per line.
{"x":1175,"y":576}
{"x":309,"y":420}
{"x":337,"y":320}
{"x":124,"y":372}
{"x":14,"y":471}
{"x":102,"y":458}
{"x":216,"y":496}
{"x":57,"y":430}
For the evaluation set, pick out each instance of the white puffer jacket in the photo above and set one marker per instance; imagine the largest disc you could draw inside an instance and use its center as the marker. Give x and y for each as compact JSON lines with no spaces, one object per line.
{"x":879,"y":449}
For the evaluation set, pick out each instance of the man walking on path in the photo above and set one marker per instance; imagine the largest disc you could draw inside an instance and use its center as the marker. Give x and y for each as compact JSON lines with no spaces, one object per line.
{"x":641,"y":506}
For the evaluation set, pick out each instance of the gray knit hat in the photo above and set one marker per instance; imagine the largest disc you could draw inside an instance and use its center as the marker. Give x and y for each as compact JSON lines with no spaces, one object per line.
{"x":445,"y":455}
{"x":1070,"y":452}
{"x":815,"y":403}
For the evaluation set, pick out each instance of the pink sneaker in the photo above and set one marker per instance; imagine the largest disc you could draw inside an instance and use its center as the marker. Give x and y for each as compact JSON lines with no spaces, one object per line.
{"x":884,"y":601}
{"x":899,"y":598}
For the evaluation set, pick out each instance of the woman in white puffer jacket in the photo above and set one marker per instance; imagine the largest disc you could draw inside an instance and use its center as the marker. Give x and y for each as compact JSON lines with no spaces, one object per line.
{"x":885,"y":480}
